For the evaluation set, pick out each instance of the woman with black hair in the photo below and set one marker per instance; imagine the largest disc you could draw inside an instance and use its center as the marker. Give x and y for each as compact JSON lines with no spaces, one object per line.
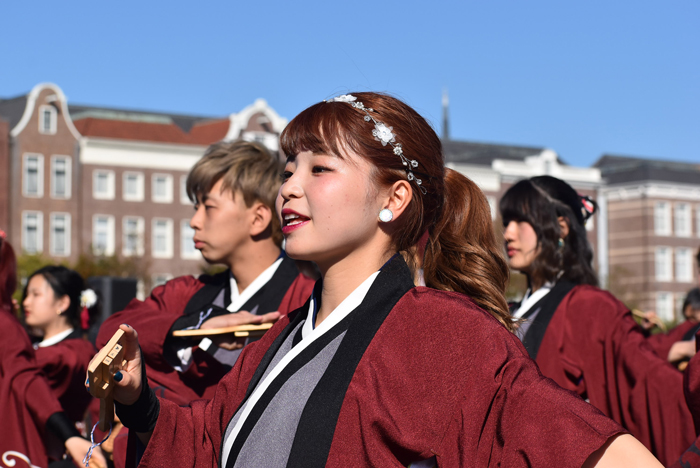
{"x":57,"y":306}
{"x":581,"y":336}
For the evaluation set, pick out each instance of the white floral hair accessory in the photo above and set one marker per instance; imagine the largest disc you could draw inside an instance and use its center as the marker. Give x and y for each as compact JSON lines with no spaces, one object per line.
{"x":88,"y":298}
{"x":384,"y":134}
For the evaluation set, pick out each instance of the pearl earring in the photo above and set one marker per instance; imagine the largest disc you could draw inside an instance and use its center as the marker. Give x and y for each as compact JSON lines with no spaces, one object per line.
{"x":385,"y":215}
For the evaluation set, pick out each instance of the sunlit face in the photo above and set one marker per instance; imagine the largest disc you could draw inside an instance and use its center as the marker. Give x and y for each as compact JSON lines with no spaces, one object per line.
{"x":221,"y":224}
{"x":328,"y":207}
{"x":521,"y":245}
{"x":41,"y":307}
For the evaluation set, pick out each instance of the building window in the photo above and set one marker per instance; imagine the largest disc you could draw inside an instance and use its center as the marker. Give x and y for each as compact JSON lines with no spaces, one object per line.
{"x":60,"y":176}
{"x":133,"y":186}
{"x":684,"y":265}
{"x":133,"y":232}
{"x":662,"y":219}
{"x":681,"y":220}
{"x":103,"y":235}
{"x":162,"y":189}
{"x":664,"y":306}
{"x":32,"y":232}
{"x":187,"y":249}
{"x":697,"y":221}
{"x":47,"y":120}
{"x":184,"y":199}
{"x":662,"y":262}
{"x":493,"y":206}
{"x":33,"y":176}
{"x":59,"y":242}
{"x":160,"y":279}
{"x":103,"y":184}
{"x":162,"y":240}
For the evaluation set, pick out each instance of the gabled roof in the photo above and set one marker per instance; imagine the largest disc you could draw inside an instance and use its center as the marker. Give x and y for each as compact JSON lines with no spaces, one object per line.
{"x":617,"y":169}
{"x":468,"y":152}
{"x":138,"y":125}
{"x":12,"y":109}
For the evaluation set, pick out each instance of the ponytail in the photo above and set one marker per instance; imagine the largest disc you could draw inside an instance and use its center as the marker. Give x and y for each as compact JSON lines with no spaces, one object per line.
{"x":462,"y":253}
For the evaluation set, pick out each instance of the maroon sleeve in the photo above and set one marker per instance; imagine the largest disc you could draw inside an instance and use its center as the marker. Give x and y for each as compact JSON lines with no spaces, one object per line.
{"x":593,"y":346}
{"x":153,"y":317}
{"x":65,"y":366}
{"x":297,"y":294}
{"x":26,"y":400}
{"x":661,"y":342}
{"x":200,"y":425}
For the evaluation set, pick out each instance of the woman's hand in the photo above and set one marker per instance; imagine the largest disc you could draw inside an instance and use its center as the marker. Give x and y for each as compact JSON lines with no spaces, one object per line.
{"x":127,"y":381}
{"x":77,"y":448}
{"x":681,"y":350}
{"x":229,"y":341}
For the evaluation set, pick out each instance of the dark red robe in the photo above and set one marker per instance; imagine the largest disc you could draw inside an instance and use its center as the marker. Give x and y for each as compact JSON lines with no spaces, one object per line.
{"x":154,"y":318}
{"x":26,"y":400}
{"x":593,"y":346}
{"x":65,"y":365}
{"x":438,"y":377}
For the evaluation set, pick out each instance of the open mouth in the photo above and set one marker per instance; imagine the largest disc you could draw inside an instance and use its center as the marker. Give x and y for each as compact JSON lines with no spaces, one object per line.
{"x":292,"y":219}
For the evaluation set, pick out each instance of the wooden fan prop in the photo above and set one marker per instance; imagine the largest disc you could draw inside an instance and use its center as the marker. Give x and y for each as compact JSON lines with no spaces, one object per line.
{"x":239,"y":331}
{"x":101,"y":377}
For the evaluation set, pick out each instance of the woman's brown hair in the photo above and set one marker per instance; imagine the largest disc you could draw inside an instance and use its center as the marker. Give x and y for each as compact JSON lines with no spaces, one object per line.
{"x":461,"y":253}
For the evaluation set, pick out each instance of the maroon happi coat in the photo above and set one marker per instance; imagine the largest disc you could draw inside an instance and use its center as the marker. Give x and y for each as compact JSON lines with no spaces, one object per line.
{"x":26,"y":400}
{"x":438,"y":378}
{"x":154,"y":317}
{"x":593,"y":346}
{"x":65,"y":366}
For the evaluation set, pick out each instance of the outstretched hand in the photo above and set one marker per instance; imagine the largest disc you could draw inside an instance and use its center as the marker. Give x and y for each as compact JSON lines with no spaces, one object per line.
{"x":228,"y":341}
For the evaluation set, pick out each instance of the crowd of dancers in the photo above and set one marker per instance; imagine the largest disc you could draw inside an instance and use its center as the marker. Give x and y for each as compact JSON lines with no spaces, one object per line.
{"x":391,"y":343}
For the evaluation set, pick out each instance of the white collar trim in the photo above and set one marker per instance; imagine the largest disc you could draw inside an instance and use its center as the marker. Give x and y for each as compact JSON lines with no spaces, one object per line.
{"x":309,"y":335}
{"x":238,"y":299}
{"x":55,"y":339}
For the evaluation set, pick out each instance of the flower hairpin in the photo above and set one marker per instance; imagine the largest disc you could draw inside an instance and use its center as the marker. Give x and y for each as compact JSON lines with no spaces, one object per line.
{"x":385,"y":135}
{"x":88,"y":298}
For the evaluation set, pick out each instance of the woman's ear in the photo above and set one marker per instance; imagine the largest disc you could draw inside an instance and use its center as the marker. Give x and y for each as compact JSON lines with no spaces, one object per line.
{"x":563,"y":226}
{"x":261,"y":216}
{"x":63,"y":303}
{"x":399,"y":196}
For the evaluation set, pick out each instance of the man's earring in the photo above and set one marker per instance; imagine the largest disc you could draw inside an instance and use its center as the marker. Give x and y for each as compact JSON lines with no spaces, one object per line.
{"x":385,"y":215}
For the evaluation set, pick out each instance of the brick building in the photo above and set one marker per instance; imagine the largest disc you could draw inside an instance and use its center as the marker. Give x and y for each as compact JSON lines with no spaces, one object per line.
{"x":652,"y":213}
{"x":110,"y":180}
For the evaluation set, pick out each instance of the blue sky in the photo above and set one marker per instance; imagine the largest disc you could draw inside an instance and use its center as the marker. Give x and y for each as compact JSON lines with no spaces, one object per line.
{"x":582,"y":78}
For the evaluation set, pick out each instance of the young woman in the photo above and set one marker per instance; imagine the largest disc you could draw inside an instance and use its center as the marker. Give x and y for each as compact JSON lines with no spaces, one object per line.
{"x":374,"y":371}
{"x":28,"y":406}
{"x":580,"y":336}
{"x":57,"y":305}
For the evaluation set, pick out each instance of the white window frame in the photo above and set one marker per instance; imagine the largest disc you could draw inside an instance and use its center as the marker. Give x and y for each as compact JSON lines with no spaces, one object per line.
{"x":185,"y":241}
{"x":664,"y":305}
{"x":66,"y":233}
{"x":39,"y":175}
{"x":140,"y":192}
{"x":39,"y":231}
{"x":663,"y":267}
{"x":67,"y":160}
{"x":53,"y":120}
{"x":683,"y":257}
{"x":140,"y":231}
{"x":109,"y":248}
{"x":109,"y":194}
{"x":682,"y":220}
{"x":168,"y":196}
{"x":662,"y":218}
{"x":184,"y":199}
{"x":168,"y":252}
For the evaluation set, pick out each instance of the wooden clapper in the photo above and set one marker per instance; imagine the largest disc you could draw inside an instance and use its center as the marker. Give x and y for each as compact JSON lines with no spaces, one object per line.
{"x":101,"y":377}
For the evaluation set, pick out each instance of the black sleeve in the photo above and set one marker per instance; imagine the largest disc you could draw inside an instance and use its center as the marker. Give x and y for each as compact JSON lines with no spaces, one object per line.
{"x":62,"y":427}
{"x":142,"y":416}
